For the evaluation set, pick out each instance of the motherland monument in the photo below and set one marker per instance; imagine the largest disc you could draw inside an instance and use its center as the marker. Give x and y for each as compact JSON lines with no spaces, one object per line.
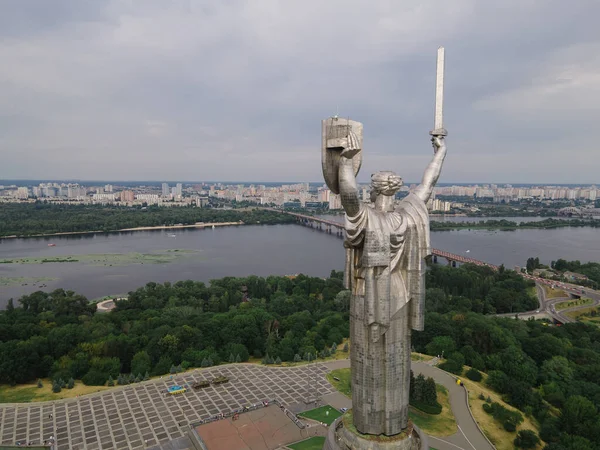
{"x":386,"y":246}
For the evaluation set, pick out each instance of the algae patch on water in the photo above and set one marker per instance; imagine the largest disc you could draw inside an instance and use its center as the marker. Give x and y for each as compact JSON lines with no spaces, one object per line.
{"x":113,"y":259}
{"x":24,"y":281}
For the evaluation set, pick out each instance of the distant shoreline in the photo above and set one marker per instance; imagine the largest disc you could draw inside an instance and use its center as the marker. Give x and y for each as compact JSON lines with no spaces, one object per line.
{"x":159,"y":227}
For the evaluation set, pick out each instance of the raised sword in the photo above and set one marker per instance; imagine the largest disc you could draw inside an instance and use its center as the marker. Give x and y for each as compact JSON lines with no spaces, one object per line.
{"x":438,"y":122}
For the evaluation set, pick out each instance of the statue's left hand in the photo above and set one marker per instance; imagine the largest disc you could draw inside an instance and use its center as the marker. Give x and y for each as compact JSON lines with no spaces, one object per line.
{"x":438,"y":143}
{"x":351,"y":147}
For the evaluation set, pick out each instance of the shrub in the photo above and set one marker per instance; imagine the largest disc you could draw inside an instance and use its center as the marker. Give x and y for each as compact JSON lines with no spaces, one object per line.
{"x":454,"y":363}
{"x":162,"y":366}
{"x":238,"y":358}
{"x":497,"y":380}
{"x":345,"y":347}
{"x":111,"y":382}
{"x":429,"y":409}
{"x":481,"y":397}
{"x":526,"y":439}
{"x":56,"y":388}
{"x":509,"y":419}
{"x":473,"y":374}
{"x":231,"y":358}
{"x":172,"y":369}
{"x":297,"y":358}
{"x":71,"y":383}
{"x":278,"y":360}
{"x":146,"y":376}
{"x":95,"y":378}
{"x":40,"y":384}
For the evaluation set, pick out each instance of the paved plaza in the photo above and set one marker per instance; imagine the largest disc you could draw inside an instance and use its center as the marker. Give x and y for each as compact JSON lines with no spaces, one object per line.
{"x":264,"y":429}
{"x":141,"y":415}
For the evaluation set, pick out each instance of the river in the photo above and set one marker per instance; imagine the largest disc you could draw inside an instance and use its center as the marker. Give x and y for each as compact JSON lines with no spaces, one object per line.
{"x":239,"y":251}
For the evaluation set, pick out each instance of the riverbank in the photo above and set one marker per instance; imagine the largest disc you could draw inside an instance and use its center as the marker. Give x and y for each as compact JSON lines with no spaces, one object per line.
{"x":126,"y":230}
{"x":506,"y":225}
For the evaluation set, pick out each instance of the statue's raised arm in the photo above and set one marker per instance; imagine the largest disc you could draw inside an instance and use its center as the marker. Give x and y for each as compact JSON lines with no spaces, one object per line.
{"x":341,"y":159}
{"x":349,"y":195}
{"x":432,"y":173}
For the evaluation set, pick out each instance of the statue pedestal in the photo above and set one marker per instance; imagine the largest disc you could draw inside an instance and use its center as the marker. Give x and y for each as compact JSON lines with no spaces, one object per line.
{"x":341,"y":437}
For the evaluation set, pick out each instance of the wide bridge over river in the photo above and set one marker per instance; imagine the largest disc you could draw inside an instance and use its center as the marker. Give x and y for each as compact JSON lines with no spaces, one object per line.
{"x":546,"y":307}
{"x":331,"y":226}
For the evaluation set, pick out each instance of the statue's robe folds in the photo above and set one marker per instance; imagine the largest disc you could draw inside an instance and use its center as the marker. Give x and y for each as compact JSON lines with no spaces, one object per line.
{"x":385,"y":270}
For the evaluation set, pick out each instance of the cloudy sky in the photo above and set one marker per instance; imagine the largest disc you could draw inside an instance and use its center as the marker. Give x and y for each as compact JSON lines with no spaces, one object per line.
{"x":236,"y":90}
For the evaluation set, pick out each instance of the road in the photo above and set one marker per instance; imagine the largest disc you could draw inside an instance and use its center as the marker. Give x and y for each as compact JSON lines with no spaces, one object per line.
{"x":468,"y":436}
{"x":547,"y":308}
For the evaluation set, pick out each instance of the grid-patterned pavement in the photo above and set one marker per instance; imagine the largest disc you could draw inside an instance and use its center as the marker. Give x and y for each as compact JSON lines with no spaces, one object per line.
{"x":142,"y":415}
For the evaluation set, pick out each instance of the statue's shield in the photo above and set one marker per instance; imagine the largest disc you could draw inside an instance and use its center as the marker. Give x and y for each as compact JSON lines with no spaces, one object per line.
{"x":333,"y":131}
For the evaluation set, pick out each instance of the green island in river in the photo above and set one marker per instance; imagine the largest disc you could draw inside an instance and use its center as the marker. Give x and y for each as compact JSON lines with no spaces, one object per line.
{"x":45,"y":219}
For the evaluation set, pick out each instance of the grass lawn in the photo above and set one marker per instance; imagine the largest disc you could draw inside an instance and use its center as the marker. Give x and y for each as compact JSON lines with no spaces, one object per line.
{"x":313,"y":443}
{"x":29,"y":447}
{"x":325,"y":414}
{"x":571,"y":303}
{"x":414,"y":356}
{"x":442,"y":424}
{"x":502,"y":439}
{"x":25,"y":393}
{"x":580,"y":313}
{"x":554,"y":293}
{"x":343,"y":385}
{"x":339,"y":354}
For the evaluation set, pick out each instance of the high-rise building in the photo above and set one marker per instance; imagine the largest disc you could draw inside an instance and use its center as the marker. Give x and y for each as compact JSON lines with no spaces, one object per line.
{"x":165,"y":190}
{"x":335,"y":202}
{"x":127,"y":196}
{"x":324,"y":195}
{"x":108,"y":188}
{"x":178,"y":190}
{"x":22,"y":193}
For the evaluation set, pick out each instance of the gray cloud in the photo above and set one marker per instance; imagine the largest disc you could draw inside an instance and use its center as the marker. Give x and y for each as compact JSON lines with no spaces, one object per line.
{"x":198,"y":90}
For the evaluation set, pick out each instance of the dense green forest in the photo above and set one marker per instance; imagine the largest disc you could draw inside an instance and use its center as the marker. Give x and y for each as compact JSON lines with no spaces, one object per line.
{"x":479,"y":289}
{"x":44,"y":218}
{"x":550,"y":373}
{"x":187,"y":323}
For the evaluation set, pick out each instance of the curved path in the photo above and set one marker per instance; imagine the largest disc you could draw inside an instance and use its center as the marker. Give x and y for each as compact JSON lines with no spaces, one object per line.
{"x":546,"y":307}
{"x":468,"y":436}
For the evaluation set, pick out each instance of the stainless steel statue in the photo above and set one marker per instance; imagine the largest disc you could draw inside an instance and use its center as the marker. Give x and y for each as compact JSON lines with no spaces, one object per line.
{"x":386,"y":246}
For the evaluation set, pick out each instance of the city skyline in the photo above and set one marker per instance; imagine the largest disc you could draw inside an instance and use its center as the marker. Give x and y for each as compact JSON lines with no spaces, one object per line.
{"x":188,"y":90}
